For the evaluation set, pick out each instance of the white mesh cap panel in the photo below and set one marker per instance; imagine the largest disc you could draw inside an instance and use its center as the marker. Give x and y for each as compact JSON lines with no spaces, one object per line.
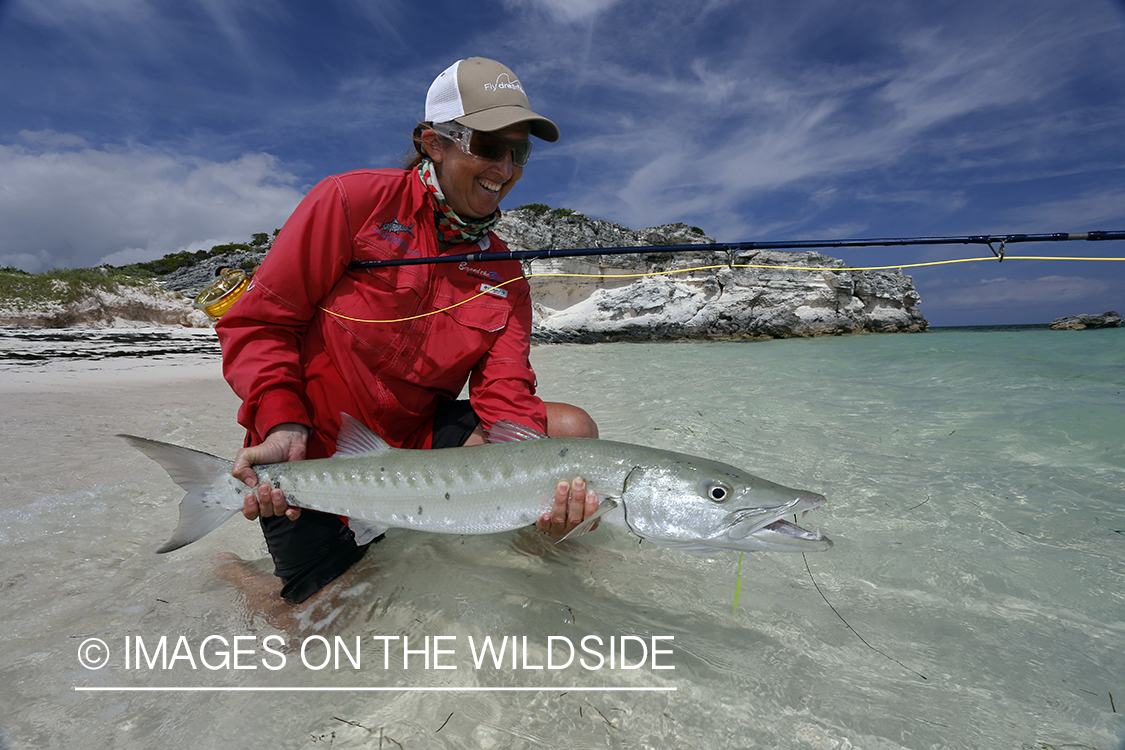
{"x":443,"y":100}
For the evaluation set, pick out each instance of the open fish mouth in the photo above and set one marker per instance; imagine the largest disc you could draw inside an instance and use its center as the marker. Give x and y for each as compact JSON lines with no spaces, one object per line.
{"x":767,"y":528}
{"x":785,"y":536}
{"x":793,"y":530}
{"x":746,"y":521}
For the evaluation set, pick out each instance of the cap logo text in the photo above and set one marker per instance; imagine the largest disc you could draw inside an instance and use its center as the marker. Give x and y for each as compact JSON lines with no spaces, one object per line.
{"x":504,"y":82}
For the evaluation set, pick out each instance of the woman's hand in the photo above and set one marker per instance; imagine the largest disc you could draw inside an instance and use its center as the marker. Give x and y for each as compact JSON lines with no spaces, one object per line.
{"x":285,"y":442}
{"x":573,"y":504}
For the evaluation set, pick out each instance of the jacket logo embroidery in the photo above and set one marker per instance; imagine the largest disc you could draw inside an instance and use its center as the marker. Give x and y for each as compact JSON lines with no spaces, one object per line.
{"x":479,"y":272}
{"x":390,"y":232}
{"x":394,"y":227}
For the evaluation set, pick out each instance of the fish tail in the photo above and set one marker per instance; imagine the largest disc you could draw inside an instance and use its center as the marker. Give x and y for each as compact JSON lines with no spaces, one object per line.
{"x":205,"y":506}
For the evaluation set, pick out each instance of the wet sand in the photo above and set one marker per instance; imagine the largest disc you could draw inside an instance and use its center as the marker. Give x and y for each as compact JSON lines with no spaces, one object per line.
{"x":59,"y":423}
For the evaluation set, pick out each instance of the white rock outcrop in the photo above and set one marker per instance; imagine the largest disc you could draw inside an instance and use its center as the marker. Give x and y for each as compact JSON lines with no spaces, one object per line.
{"x":704,"y":295}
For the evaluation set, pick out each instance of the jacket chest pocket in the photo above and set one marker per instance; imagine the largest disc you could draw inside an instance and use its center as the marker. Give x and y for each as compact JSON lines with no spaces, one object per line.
{"x":376,"y":307}
{"x":485,"y":313}
{"x":397,"y":288}
{"x":467,"y":331}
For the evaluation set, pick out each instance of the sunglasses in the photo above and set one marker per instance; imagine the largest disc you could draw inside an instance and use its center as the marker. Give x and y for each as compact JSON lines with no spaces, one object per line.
{"x":485,"y":145}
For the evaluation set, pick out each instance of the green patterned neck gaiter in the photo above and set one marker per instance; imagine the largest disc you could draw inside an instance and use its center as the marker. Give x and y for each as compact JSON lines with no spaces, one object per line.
{"x":451,"y":227}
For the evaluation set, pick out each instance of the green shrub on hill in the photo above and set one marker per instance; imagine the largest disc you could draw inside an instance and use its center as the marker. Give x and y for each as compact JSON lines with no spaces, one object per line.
{"x":64,"y":285}
{"x":536,"y":208}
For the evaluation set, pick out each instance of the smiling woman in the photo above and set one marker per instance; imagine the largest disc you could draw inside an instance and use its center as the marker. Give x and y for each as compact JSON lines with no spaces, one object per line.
{"x":300,"y":347}
{"x":474,"y":182}
{"x":480,"y":107}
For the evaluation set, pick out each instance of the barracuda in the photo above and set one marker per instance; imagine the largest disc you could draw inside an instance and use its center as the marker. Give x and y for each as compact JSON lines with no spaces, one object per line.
{"x":667,"y":498}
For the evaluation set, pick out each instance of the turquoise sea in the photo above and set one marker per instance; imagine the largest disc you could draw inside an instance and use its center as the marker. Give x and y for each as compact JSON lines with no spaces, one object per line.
{"x":974,"y":598}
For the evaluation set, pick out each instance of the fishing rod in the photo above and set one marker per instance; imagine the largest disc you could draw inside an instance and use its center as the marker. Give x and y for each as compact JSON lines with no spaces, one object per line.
{"x":741,"y":249}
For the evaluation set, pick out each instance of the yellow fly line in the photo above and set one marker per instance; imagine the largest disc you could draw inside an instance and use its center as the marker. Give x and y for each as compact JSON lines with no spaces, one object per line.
{"x":898,"y":266}
{"x":421,"y":315}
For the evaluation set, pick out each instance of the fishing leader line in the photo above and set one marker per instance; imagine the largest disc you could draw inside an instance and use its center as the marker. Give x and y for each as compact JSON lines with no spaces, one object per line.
{"x":900,"y":266}
{"x":849,"y":626}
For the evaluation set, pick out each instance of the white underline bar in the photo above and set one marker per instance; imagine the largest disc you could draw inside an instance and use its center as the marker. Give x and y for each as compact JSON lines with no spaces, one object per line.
{"x":372,"y":689}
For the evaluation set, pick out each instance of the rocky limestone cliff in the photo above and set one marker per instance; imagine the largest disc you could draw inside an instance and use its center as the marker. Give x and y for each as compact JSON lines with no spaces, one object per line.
{"x":713,"y":301}
{"x":192,"y":280}
{"x":723,"y":302}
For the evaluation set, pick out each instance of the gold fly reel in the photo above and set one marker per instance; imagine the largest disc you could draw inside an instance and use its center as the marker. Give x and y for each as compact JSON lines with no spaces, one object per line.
{"x":218,"y":298}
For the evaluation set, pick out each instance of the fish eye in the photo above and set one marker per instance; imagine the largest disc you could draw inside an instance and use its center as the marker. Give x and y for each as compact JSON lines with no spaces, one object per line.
{"x":718,"y":492}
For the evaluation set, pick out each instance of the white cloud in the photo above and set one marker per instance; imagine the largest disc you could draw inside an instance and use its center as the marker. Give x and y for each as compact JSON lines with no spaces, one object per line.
{"x":144,"y":31}
{"x":51,"y":140}
{"x":126,"y":256}
{"x":30,"y":262}
{"x":1080,"y":213}
{"x":569,"y":11}
{"x":384,"y":15}
{"x":84,"y":206}
{"x":52,"y":12}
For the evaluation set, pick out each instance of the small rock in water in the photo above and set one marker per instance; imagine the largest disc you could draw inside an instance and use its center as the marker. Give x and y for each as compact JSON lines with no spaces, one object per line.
{"x":1109,"y":319}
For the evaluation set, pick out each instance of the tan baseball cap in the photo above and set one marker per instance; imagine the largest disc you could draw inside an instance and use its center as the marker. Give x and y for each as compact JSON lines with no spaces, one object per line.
{"x":484,"y":95}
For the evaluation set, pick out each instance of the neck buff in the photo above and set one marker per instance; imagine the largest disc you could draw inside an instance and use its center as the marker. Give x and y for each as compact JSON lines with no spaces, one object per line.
{"x":451,"y":227}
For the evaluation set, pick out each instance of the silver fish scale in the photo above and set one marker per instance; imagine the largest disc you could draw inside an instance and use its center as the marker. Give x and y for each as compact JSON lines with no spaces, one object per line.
{"x":486,"y":489}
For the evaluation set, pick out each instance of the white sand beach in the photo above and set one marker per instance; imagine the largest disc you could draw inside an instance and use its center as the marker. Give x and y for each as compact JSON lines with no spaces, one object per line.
{"x":59,"y":419}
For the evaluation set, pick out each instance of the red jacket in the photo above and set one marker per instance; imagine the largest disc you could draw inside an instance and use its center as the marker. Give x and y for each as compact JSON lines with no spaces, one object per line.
{"x":290,"y":361}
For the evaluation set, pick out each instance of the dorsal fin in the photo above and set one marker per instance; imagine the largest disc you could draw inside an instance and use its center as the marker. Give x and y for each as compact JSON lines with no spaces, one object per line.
{"x":355,"y":438}
{"x":507,"y":431}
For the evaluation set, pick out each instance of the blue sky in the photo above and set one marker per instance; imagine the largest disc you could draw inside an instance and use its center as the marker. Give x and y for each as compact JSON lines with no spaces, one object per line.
{"x":134,"y":128}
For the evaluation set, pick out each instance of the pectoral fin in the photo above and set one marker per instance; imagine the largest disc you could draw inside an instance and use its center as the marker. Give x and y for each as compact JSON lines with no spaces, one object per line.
{"x":364,"y":532}
{"x":604,"y":507}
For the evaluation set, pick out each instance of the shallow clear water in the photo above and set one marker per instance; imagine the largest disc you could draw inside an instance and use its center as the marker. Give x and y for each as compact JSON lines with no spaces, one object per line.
{"x":975,"y":597}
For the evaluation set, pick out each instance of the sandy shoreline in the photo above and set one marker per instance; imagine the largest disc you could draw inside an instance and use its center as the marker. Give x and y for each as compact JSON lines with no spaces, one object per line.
{"x":59,"y":421}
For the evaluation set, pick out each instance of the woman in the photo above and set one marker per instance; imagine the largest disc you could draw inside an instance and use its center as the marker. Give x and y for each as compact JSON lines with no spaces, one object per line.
{"x":314,"y":337}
